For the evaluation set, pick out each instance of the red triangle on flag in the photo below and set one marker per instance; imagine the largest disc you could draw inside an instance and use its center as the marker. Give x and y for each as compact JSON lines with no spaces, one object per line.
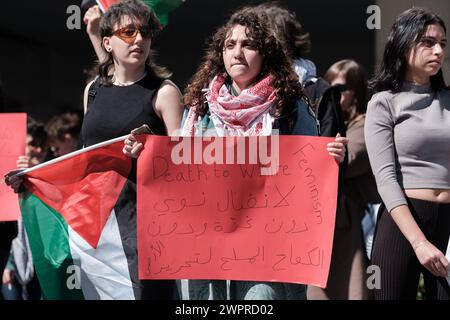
{"x":105,"y":4}
{"x":84,"y":188}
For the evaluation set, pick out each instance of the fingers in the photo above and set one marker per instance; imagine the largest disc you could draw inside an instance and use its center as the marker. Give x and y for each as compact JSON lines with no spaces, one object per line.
{"x":337,"y":148}
{"x":11,"y":175}
{"x":441,"y":265}
{"x":445,"y":263}
{"x":131,"y":137}
{"x":13,"y":181}
{"x":134,"y":150}
{"x":436,"y":269}
{"x":91,"y":14}
{"x":8,"y":276}
{"x":432,"y":259}
{"x":16,"y":184}
{"x":337,"y":157}
{"x":137,"y":149}
{"x":23,"y":162}
{"x":130,"y":140}
{"x":92,"y":20}
{"x":339,"y":139}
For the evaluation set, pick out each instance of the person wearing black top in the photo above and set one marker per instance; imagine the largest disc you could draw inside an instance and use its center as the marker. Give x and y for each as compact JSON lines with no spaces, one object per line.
{"x":130,"y":91}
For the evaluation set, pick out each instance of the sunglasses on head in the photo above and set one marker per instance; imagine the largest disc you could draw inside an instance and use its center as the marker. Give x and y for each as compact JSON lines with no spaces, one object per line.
{"x":129,"y":34}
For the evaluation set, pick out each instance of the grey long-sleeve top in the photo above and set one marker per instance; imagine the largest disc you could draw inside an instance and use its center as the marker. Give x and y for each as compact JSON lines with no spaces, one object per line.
{"x":408,"y":141}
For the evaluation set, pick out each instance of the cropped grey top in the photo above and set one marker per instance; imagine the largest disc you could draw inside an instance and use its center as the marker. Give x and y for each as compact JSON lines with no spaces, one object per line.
{"x":408,"y":140}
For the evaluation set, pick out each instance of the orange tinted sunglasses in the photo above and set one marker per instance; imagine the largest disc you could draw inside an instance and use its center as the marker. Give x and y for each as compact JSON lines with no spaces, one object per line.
{"x":129,"y":34}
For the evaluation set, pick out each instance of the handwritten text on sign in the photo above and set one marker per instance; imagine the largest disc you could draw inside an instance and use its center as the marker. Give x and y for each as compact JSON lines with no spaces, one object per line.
{"x":13,"y":129}
{"x":230,"y":221}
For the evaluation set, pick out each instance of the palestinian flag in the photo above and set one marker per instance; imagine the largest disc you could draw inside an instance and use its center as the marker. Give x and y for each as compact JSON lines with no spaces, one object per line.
{"x":162,"y":8}
{"x":76,"y":211}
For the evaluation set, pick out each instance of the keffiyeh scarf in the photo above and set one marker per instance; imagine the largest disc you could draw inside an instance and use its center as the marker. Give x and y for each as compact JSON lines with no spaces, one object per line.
{"x":247,"y":114}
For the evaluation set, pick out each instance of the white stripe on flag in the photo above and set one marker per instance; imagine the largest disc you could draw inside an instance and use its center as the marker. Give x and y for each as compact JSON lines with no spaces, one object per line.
{"x":104,"y":271}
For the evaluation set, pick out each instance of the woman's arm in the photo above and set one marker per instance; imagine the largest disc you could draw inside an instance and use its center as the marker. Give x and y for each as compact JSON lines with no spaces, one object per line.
{"x":429,"y":256}
{"x":92,"y":20}
{"x":169,"y":107}
{"x":379,"y":129}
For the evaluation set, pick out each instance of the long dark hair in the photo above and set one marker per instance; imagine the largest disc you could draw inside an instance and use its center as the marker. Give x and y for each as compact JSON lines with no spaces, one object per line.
{"x":138,"y":12}
{"x":408,"y":29}
{"x":275,"y":62}
{"x":356,"y":80}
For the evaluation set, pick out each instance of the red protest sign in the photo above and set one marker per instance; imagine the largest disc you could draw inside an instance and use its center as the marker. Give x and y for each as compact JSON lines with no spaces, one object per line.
{"x":220,"y":220}
{"x":13,"y":131}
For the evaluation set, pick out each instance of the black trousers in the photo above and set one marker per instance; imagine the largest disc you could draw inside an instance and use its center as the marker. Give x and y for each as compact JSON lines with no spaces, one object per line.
{"x":399,"y":266}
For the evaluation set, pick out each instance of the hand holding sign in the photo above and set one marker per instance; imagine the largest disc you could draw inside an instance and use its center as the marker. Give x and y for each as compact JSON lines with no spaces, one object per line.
{"x":222,"y":220}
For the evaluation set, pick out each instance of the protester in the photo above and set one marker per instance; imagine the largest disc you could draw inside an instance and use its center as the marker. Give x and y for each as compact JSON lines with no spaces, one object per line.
{"x":292,"y":35}
{"x":323,"y":98}
{"x":131,"y":90}
{"x":63,"y":133}
{"x":19,"y":279}
{"x":8,"y":229}
{"x":92,"y":20}
{"x":247,"y":70}
{"x":347,"y":279}
{"x":407,"y":135}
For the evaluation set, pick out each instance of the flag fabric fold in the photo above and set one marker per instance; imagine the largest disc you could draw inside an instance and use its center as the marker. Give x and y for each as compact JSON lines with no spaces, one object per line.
{"x":70,"y":211}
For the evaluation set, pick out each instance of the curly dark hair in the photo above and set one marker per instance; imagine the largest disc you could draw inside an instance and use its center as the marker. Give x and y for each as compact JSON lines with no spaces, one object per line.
{"x":275,"y":63}
{"x":407,"y":31}
{"x":138,"y":12}
{"x":286,"y":27}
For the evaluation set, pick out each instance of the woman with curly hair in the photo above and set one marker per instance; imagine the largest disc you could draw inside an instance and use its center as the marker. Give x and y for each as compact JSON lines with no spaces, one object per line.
{"x":246,"y":86}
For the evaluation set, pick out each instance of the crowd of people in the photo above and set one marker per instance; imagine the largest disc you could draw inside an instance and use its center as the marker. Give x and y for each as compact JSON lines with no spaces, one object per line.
{"x":392,"y":148}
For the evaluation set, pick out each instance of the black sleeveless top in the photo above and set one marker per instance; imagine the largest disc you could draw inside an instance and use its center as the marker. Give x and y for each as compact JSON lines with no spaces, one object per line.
{"x":114,"y":111}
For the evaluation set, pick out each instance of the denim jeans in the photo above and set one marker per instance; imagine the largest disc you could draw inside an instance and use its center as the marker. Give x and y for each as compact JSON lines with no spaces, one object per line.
{"x":245,"y":290}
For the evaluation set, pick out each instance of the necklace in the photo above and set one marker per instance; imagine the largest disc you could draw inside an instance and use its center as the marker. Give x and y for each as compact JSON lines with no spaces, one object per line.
{"x":121,"y":84}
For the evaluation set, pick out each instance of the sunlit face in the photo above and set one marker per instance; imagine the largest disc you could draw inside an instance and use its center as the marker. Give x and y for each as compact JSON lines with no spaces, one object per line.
{"x":130,"y":43}
{"x":426,"y":57}
{"x":62,"y":147}
{"x":242,"y":60}
{"x":347,"y":96}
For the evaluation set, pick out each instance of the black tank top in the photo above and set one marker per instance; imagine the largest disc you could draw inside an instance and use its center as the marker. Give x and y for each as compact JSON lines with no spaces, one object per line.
{"x":114,"y":111}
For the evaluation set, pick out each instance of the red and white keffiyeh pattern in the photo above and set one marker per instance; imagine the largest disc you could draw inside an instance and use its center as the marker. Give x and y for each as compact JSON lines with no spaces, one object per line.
{"x":247,"y":114}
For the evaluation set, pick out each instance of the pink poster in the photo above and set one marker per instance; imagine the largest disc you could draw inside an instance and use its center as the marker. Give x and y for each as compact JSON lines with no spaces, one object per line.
{"x":259,"y":209}
{"x":13,"y":131}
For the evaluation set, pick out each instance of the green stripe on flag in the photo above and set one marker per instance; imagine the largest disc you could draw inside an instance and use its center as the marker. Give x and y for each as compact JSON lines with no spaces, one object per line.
{"x":162,"y":8}
{"x":49,"y":241}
